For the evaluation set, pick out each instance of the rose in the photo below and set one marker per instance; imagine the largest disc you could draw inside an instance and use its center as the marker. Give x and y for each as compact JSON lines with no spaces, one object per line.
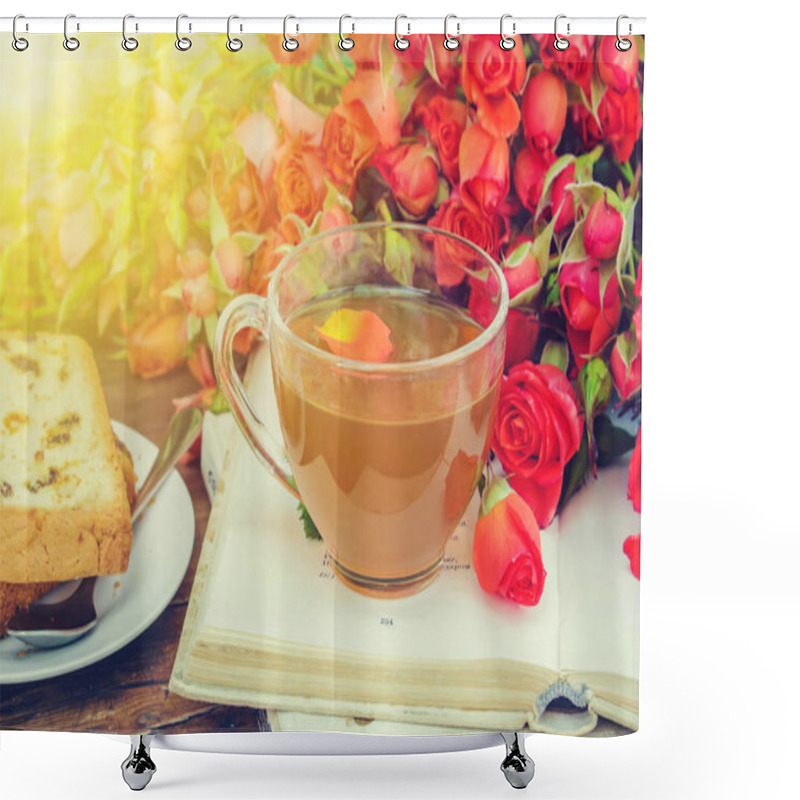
{"x":537,"y":430}
{"x":300,"y":182}
{"x":192,"y":263}
{"x":632,"y":548}
{"x":590,"y":322}
{"x":198,"y":295}
{"x":507,"y":547}
{"x":196,"y":203}
{"x":266,"y":258}
{"x":380,"y":103}
{"x":465,"y":219}
{"x":544,"y":111}
{"x":491,"y":77}
{"x":349,"y":139}
{"x":483,"y":168}
{"x":242,"y":197}
{"x":412,"y":175}
{"x":529,"y":170}
{"x":411,"y":61}
{"x":626,"y":364}
{"x":445,"y":121}
{"x":561,"y":198}
{"x":522,"y":333}
{"x":156,"y":344}
{"x":446,"y":66}
{"x":521,"y":269}
{"x":230,"y":260}
{"x":602,"y":229}
{"x":575,"y":64}
{"x":618,"y":69}
{"x":620,"y":122}
{"x":309,"y":44}
{"x":635,"y":475}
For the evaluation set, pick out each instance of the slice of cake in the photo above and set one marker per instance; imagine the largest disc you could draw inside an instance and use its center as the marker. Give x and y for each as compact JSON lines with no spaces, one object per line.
{"x":64,"y":510}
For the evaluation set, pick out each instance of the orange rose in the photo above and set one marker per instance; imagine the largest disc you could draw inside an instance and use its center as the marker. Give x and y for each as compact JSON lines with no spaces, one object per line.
{"x":242,"y":197}
{"x":483,"y":168}
{"x":380,"y":103}
{"x":156,"y":344}
{"x":309,"y":44}
{"x":265,"y":260}
{"x":349,"y":139}
{"x":299,"y":183}
{"x":412,"y":175}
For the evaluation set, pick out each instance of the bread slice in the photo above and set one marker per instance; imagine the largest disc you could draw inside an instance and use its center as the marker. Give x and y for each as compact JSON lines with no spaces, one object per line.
{"x":64,"y":511}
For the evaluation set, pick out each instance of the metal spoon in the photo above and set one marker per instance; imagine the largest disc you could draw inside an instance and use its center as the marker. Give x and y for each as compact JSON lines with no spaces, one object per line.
{"x":48,"y":625}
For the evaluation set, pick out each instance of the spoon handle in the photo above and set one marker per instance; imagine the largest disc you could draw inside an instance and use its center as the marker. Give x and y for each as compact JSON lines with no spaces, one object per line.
{"x":182,"y":430}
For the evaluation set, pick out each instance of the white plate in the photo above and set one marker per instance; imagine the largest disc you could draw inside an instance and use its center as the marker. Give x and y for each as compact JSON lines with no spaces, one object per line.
{"x":126,"y":604}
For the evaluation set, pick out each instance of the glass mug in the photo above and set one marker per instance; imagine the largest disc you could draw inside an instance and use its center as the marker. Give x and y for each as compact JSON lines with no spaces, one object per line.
{"x":386,"y":448}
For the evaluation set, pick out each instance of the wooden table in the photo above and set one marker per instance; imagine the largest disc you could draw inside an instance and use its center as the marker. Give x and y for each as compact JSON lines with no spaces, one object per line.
{"x":127,"y":692}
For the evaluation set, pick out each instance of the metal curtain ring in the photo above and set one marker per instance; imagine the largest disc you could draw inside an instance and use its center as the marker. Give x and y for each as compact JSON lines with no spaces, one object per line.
{"x":289,"y":44}
{"x":450,"y":42}
{"x":18,"y":43}
{"x":506,"y":42}
{"x":623,"y":44}
{"x":560,"y":42}
{"x":233,"y":44}
{"x":71,"y":43}
{"x":183,"y":43}
{"x":345,"y":42}
{"x":128,"y":42}
{"x":400,"y":42}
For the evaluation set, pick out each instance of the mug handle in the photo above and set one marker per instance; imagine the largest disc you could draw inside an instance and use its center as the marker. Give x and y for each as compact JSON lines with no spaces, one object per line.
{"x":247,"y":311}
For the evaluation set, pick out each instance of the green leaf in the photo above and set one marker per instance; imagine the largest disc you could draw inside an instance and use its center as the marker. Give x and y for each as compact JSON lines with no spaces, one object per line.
{"x":398,"y":257}
{"x":598,"y":89}
{"x":552,"y":298}
{"x":625,"y":242}
{"x":387,"y":55}
{"x":248,"y":242}
{"x":177,"y":221}
{"x":309,"y":528}
{"x":175,"y":291}
{"x":218,"y":225}
{"x":589,"y":193}
{"x":574,"y":251}
{"x":575,"y":472}
{"x":210,"y":327}
{"x":193,"y":326}
{"x":215,"y":276}
{"x":430,"y":61}
{"x":584,"y":165}
{"x":594,"y":382}
{"x":555,"y":353}
{"x":541,"y":247}
{"x":612,"y":441}
{"x":556,"y":168}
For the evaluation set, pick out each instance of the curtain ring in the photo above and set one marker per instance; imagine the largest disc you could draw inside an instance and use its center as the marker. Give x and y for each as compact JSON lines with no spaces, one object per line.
{"x":345,"y":42}
{"x":623,"y":45}
{"x":129,"y":43}
{"x":560,"y":42}
{"x":400,"y":42}
{"x":233,"y":44}
{"x":71,"y":43}
{"x":506,"y":42}
{"x":289,"y":44}
{"x":18,"y":43}
{"x":450,"y":42}
{"x":183,"y":43}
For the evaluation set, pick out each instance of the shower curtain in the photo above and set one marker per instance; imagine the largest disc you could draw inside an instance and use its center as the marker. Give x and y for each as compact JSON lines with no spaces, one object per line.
{"x":142,"y":191}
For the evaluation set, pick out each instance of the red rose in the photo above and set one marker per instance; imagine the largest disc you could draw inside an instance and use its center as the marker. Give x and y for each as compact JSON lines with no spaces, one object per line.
{"x":507,"y":547}
{"x":529,"y":170}
{"x":589,"y":326}
{"x":602,"y":230}
{"x":445,"y":121}
{"x":626,"y":364}
{"x":483,"y":168}
{"x":412,"y":175}
{"x":575,"y":64}
{"x":537,"y":431}
{"x":618,"y":69}
{"x":561,"y":198}
{"x":544,"y":111}
{"x":632,"y":548}
{"x":488,"y":231}
{"x":621,"y":121}
{"x":635,"y":475}
{"x":491,"y":77}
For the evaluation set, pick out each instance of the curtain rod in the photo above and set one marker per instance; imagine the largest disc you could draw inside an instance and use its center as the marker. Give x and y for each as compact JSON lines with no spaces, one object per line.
{"x":567,"y":26}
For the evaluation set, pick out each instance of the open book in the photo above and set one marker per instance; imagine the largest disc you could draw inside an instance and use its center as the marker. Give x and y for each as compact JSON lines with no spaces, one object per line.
{"x":269,"y":625}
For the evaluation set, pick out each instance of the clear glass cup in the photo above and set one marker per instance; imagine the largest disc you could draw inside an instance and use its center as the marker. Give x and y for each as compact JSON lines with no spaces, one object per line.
{"x":386,"y":346}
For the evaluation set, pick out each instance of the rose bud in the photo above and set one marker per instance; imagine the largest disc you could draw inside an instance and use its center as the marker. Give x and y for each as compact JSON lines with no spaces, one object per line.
{"x":197,"y":203}
{"x":602,"y":230}
{"x":529,"y":170}
{"x":544,"y":111}
{"x":483,"y":168}
{"x":626,"y":364}
{"x":632,"y":548}
{"x":507,"y":547}
{"x":522,"y":333}
{"x":620,"y":121}
{"x":538,"y":429}
{"x":193,"y":263}
{"x":230,"y":259}
{"x":575,"y":64}
{"x":559,"y":197}
{"x":412,"y":175}
{"x":635,"y":475}
{"x":521,"y":269}
{"x":156,"y":344}
{"x":337,"y":217}
{"x":198,"y":296}
{"x":618,"y":69}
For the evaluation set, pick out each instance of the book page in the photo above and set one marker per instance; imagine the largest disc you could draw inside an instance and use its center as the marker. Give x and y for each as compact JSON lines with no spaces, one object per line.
{"x":268,"y":580}
{"x":599,"y":600}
